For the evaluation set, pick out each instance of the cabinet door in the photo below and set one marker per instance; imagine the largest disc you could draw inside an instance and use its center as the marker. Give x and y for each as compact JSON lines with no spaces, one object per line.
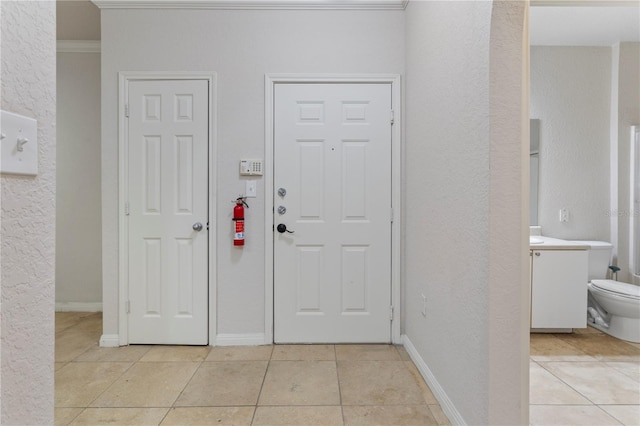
{"x":559,"y":289}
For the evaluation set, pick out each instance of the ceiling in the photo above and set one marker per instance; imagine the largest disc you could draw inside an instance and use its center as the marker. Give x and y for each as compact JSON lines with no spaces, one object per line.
{"x":584,"y":25}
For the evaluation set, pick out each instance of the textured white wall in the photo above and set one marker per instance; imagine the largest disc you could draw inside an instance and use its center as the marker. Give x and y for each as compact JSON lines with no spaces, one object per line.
{"x":28,"y":217}
{"x":570,"y":94}
{"x":628,"y":89}
{"x":78,"y":201}
{"x":240,"y":46}
{"x":463,"y":115}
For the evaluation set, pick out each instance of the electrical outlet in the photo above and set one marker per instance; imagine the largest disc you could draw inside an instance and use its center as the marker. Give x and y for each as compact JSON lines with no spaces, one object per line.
{"x":564,"y":215}
{"x":424,"y":305}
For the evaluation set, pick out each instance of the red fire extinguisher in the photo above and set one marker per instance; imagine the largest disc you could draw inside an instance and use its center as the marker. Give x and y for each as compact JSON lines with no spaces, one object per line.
{"x":238,"y":221}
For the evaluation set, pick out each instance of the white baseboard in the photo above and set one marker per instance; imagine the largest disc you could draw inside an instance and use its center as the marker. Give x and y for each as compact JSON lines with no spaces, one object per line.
{"x":445,"y":403}
{"x":109,"y":341}
{"x":78,"y":307}
{"x":249,"y":339}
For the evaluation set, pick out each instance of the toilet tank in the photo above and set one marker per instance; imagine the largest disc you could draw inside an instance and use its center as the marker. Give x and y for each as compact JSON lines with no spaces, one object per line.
{"x":599,"y":259}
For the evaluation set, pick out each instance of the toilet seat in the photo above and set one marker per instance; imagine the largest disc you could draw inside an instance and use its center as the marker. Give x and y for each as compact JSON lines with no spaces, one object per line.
{"x":618,"y":288}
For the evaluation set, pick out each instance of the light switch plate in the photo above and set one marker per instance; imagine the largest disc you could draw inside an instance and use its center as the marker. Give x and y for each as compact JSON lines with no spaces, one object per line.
{"x":18,"y":144}
{"x":250,"y":189}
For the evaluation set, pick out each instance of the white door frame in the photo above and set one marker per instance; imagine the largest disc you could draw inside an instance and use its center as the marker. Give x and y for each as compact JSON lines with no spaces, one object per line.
{"x":634,"y":222}
{"x":123,"y":178}
{"x":396,"y":180}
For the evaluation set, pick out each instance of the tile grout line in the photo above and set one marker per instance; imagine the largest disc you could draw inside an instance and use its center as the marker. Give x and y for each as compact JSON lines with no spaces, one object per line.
{"x":82,"y":410}
{"x":595,"y":357}
{"x":173,"y":404}
{"x":609,"y":414}
{"x":567,"y":384}
{"x":264,"y":378}
{"x":110,"y":385}
{"x":602,"y":363}
{"x":100,"y":394}
{"x":335,"y":358}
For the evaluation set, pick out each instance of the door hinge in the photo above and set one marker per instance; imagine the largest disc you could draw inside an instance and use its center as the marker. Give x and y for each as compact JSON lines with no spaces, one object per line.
{"x":127,"y":306}
{"x":392,"y":215}
{"x":393,"y":116}
{"x":126,"y":110}
{"x":126,"y":208}
{"x":390,"y":313}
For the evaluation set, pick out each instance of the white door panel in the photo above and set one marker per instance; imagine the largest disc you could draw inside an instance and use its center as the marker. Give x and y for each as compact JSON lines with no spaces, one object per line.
{"x":168,"y":194}
{"x":332,"y":276}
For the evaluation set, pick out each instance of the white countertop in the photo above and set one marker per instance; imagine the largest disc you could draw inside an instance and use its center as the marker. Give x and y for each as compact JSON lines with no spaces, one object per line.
{"x":548,"y":243}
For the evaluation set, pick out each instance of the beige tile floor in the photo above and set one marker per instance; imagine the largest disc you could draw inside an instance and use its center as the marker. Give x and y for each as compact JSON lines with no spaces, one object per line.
{"x":584,"y":378}
{"x":264,"y":385}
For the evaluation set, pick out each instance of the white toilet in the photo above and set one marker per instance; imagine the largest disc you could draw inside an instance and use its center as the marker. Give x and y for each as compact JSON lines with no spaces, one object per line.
{"x":614,"y":306}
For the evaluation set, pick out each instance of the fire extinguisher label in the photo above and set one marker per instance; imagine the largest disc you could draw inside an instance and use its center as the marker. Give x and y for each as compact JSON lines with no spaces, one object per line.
{"x":238,"y":236}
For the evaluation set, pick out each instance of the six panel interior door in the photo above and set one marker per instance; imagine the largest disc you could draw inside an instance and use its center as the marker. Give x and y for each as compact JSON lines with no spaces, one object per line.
{"x":332,"y":236}
{"x":168,"y":211}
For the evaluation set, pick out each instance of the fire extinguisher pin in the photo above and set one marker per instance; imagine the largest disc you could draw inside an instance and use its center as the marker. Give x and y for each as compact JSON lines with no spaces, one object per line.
{"x":241,"y":200}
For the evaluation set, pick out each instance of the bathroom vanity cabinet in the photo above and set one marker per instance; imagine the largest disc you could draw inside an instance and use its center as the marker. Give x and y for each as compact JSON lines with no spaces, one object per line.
{"x":559,"y":287}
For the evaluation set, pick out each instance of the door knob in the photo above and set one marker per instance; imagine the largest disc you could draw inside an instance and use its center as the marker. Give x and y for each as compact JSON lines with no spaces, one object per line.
{"x":282,"y":192}
{"x":197,"y":226}
{"x":282,"y":228}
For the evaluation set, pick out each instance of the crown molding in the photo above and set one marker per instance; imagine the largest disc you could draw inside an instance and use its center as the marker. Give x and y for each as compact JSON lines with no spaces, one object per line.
{"x":584,"y":3}
{"x":254,"y":4}
{"x":78,"y":46}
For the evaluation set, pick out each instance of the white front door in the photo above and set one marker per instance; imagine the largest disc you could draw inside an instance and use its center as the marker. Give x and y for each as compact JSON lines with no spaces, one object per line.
{"x":332,"y":174}
{"x":167,"y":199}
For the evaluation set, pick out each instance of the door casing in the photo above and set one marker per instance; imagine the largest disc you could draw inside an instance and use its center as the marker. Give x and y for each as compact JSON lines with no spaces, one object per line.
{"x":396,"y":183}
{"x":124,"y":78}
